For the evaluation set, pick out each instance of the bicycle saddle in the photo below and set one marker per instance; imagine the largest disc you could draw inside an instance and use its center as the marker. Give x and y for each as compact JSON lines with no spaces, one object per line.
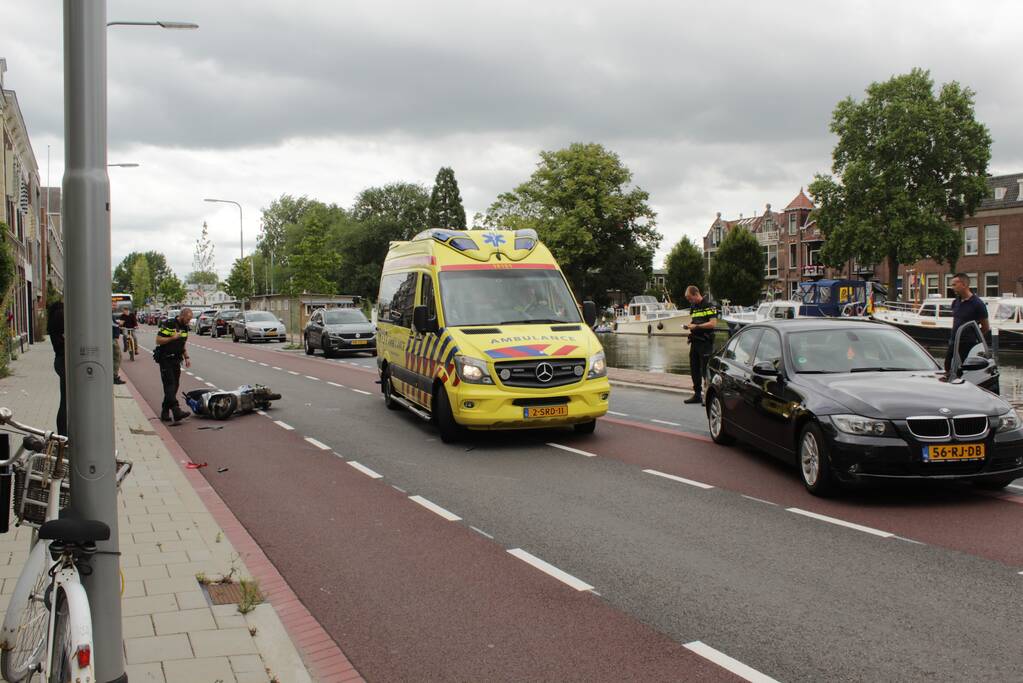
{"x":75,"y":531}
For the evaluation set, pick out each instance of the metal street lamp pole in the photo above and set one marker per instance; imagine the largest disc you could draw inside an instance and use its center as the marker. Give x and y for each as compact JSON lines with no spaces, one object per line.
{"x":186,"y":25}
{"x":122,"y":165}
{"x":89,"y":354}
{"x":241,"y":238}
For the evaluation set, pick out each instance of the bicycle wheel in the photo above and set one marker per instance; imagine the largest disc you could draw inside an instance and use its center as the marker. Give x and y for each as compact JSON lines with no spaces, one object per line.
{"x":71,"y":645}
{"x":61,"y":667}
{"x":27,"y":620}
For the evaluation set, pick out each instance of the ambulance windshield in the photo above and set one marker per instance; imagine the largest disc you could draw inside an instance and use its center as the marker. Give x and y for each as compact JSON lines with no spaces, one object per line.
{"x":504,"y":297}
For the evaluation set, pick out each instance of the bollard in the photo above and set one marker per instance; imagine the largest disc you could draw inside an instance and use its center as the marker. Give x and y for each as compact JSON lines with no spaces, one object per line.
{"x":994,"y":343}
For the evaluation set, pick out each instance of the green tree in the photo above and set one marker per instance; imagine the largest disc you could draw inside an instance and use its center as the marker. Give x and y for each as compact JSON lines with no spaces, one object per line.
{"x":313,"y":263}
{"x":283,"y":212}
{"x":906,"y":163}
{"x":141,"y":282}
{"x":402,"y":206}
{"x":737,"y":271}
{"x":602,"y":232}
{"x":685,"y":267}
{"x":201,"y":278}
{"x":158,"y":270}
{"x":239,"y":281}
{"x":171,"y":290}
{"x":204,"y":268}
{"x":445,"y":209}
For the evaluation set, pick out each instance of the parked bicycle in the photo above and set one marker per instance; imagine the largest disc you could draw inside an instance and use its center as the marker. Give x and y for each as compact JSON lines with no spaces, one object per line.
{"x":47,"y":628}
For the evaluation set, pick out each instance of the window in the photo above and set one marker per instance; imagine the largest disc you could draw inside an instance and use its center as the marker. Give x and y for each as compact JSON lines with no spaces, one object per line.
{"x":949,"y":292}
{"x":999,"y":193}
{"x":990,"y":239}
{"x":932,"y":285}
{"x":397,"y":292}
{"x":426,"y":296}
{"x":990,"y":284}
{"x":973,"y":281}
{"x":792,"y":255}
{"x":970,"y":241}
{"x":769,"y":350}
{"x":792,"y":223}
{"x":793,"y":289}
{"x":813,"y":256}
{"x":740,"y":349}
{"x":771,"y":260}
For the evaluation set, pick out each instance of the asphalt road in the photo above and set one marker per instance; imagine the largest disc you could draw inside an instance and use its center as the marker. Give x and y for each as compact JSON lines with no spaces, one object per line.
{"x":906,"y":583}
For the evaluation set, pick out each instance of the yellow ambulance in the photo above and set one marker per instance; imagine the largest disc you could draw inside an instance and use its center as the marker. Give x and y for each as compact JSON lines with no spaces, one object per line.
{"x":479,"y":330}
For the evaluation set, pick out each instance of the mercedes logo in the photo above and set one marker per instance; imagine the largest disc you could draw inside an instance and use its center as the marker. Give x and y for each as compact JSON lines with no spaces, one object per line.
{"x":944,"y":411}
{"x":545,"y":372}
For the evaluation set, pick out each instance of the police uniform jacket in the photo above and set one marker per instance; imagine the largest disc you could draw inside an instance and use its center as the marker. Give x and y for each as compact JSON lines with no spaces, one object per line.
{"x":702,"y":312}
{"x":174,"y":350}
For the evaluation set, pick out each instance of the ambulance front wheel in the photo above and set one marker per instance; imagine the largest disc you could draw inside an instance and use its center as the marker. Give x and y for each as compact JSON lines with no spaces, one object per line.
{"x":385,"y":386}
{"x":450,"y":431}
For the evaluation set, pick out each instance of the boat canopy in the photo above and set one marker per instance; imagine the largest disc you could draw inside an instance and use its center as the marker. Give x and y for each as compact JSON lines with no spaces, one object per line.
{"x":834,"y":298}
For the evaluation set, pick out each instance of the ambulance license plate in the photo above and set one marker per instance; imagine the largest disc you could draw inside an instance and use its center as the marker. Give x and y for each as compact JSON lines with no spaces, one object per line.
{"x":954,"y":452}
{"x":546,"y":411}
{"x":356,"y":342}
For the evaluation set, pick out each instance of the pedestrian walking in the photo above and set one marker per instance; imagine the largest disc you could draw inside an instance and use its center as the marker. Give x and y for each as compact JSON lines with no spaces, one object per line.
{"x":170,"y":353}
{"x":55,"y":330}
{"x":966,"y":307}
{"x":117,"y":353}
{"x":703,"y":321}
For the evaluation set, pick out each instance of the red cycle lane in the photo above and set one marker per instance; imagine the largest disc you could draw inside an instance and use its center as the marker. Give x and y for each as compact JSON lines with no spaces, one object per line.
{"x":406,"y":594}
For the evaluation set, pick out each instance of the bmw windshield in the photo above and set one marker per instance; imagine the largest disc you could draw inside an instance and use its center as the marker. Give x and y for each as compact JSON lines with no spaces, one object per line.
{"x":505,"y":297}
{"x":856,"y":350}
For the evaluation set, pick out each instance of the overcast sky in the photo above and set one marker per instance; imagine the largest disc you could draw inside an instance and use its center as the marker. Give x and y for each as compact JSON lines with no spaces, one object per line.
{"x":714,"y":107}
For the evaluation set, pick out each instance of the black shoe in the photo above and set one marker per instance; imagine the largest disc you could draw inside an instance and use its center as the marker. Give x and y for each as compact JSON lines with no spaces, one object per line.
{"x":118,"y":380}
{"x":695,"y":398}
{"x":179,"y":414}
{"x":165,"y":416}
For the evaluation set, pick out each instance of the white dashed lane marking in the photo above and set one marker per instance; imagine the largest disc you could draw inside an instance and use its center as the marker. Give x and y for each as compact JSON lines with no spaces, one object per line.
{"x":433,"y":507}
{"x":360,"y":391}
{"x":264,"y":365}
{"x":335,"y":384}
{"x":211,"y":384}
{"x":841,"y":522}
{"x":292,"y":372}
{"x":572,"y":450}
{"x":724,"y":661}
{"x":319,"y":444}
{"x":283,"y":425}
{"x":697,"y":484}
{"x":315,"y":379}
{"x":274,"y":367}
{"x":551,"y":570}
{"x":666,"y":422}
{"x":612,"y":412}
{"x":365,"y":470}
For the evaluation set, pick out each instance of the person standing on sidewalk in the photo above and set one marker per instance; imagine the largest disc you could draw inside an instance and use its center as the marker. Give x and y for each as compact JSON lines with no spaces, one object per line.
{"x":703,"y":321}
{"x":55,"y":330}
{"x":117,"y":353}
{"x":170,"y":352}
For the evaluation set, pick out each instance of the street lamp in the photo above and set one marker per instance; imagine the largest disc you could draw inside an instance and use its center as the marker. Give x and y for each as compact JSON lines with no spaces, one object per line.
{"x":179,"y":25}
{"x":241,"y":237}
{"x":122,"y":165}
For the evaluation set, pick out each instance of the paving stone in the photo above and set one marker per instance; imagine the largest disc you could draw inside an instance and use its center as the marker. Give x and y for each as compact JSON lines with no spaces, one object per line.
{"x":142,"y":573}
{"x":134,"y":589}
{"x":235,"y":620}
{"x":145,"y":673}
{"x":169,"y":557}
{"x":184,"y":621}
{"x":222,"y":643}
{"x":247,"y":663}
{"x":157,"y":649}
{"x":192,"y":599}
{"x":175,"y":585}
{"x":202,"y":670}
{"x":137,"y":627}
{"x":151,"y":604}
{"x":252,"y":677}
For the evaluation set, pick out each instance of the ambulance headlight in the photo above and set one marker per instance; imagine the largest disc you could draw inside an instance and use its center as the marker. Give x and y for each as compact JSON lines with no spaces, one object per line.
{"x":598,"y":366}
{"x":472,"y":370}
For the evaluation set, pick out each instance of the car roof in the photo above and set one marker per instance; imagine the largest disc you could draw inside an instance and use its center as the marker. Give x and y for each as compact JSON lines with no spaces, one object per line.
{"x":821,"y":323}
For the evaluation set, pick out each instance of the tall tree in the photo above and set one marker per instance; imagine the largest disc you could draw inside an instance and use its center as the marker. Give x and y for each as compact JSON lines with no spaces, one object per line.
{"x":141,"y":281}
{"x":602,"y":232}
{"x":204,"y":268}
{"x":685,"y":267}
{"x":171,"y":290}
{"x":239,"y":281}
{"x":446,"y":210}
{"x":284,"y":211}
{"x":737,"y":271}
{"x":907,"y":162}
{"x":313,"y":263}
{"x":158,"y":270}
{"x":404,"y":206}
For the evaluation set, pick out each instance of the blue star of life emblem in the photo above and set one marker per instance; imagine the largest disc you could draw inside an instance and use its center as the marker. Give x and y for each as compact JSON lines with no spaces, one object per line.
{"x":493,"y":239}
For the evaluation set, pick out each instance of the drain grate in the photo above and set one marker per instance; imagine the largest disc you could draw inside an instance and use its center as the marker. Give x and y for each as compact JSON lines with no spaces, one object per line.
{"x":228,"y":594}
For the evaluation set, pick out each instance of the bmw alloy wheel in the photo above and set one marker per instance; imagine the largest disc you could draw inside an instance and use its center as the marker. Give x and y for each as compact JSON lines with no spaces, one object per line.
{"x":810,"y":459}
{"x":715,"y":417}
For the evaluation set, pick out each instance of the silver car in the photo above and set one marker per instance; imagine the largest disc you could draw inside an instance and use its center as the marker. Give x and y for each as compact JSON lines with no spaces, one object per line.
{"x":339,"y":329}
{"x":255,"y":326}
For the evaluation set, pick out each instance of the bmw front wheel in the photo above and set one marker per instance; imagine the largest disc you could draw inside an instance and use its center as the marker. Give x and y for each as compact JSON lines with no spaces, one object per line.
{"x":814,"y":464}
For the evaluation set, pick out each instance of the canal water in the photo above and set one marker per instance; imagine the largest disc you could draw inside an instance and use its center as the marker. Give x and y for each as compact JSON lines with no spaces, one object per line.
{"x":671,"y":355}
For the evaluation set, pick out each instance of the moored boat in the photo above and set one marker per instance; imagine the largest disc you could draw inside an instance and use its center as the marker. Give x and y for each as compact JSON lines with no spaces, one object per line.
{"x":646,"y":315}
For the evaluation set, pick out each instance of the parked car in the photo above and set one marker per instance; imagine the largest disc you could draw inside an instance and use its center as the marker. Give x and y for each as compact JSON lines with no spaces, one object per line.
{"x":858,"y":401}
{"x":222,"y":321}
{"x":339,"y":329}
{"x":203,"y":321}
{"x":257,"y":326}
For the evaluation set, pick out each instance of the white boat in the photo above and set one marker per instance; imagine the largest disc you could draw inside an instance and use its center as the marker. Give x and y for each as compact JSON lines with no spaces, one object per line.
{"x":646,"y":315}
{"x":738,"y":317}
{"x":930,"y":321}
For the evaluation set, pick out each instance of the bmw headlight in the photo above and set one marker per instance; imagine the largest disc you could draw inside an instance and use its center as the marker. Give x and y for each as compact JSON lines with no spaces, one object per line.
{"x":1008,"y":421}
{"x":859,"y":425}
{"x":598,"y":366}
{"x":472,"y":370}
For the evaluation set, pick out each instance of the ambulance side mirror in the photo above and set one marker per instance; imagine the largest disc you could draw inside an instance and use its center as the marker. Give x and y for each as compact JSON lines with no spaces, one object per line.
{"x":422,"y":322}
{"x":590,"y":313}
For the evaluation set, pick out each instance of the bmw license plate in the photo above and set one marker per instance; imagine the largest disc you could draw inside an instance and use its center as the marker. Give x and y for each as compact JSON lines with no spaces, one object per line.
{"x":546,"y":411}
{"x":357,"y":342}
{"x":954,"y":452}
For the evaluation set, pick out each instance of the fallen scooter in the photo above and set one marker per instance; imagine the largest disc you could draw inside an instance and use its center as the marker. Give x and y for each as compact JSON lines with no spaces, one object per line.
{"x":221,"y":405}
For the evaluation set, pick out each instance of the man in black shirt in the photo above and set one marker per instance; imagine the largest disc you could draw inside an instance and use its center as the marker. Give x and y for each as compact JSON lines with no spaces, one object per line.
{"x":703,"y":315}
{"x":128,"y":321}
{"x":55,"y":330}
{"x":966,"y":307}
{"x":170,"y":351}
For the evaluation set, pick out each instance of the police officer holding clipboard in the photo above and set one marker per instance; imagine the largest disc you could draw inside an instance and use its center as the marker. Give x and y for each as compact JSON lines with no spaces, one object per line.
{"x":170,"y":352}
{"x":703,"y":321}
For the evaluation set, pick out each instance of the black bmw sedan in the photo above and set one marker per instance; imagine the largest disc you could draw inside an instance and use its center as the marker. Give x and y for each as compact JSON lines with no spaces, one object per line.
{"x":855,"y":401}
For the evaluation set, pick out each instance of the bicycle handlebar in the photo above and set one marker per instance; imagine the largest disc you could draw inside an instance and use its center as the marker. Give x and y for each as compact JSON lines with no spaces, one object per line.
{"x":7,"y":418}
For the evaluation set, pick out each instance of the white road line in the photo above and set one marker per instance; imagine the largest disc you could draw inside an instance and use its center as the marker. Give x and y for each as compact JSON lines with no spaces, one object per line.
{"x":433,"y":507}
{"x":211,"y":384}
{"x":571,"y":450}
{"x":481,"y":532}
{"x":665,"y":422}
{"x":316,"y":379}
{"x":550,"y":569}
{"x":611,"y":412}
{"x":199,"y":378}
{"x":292,"y":372}
{"x":260,"y":412}
{"x":365,"y":470}
{"x":250,"y":360}
{"x":840,"y":522}
{"x":360,"y":391}
{"x":274,"y":367}
{"x":319,"y":444}
{"x":724,"y":661}
{"x":398,"y":488}
{"x":265,"y":365}
{"x":283,"y":425}
{"x":697,"y":484}
{"x":335,"y":384}
{"x":759,"y":500}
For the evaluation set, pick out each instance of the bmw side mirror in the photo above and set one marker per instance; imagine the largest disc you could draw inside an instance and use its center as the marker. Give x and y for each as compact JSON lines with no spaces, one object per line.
{"x":766,"y":368}
{"x":422,"y":322}
{"x":974,"y":363}
{"x":590,"y":313}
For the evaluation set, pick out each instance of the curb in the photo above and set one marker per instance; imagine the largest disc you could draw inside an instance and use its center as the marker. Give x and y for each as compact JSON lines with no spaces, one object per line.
{"x":652,"y":387}
{"x":318,"y":650}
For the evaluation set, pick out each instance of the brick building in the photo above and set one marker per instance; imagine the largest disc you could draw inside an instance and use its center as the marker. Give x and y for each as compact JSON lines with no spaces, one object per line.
{"x":992,"y":248}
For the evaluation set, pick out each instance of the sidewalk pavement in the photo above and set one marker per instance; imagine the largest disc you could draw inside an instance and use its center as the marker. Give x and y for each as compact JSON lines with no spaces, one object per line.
{"x":168,"y":536}
{"x":664,"y":381}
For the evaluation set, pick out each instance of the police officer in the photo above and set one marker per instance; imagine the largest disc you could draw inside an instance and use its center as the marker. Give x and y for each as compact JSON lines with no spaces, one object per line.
{"x":170,"y":351}
{"x":966,"y":307}
{"x":704,"y":317}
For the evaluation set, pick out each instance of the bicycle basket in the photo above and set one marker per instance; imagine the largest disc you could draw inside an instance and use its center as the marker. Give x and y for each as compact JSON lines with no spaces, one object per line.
{"x":32,"y":487}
